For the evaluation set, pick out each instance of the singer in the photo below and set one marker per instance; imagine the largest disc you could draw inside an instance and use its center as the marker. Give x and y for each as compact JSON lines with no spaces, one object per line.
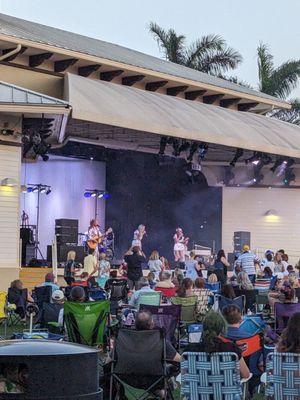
{"x":138,"y":236}
{"x":180,"y":245}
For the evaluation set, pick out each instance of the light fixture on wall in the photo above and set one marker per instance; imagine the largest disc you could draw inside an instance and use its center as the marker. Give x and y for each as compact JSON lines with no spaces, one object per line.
{"x":271,"y":215}
{"x":9,"y":182}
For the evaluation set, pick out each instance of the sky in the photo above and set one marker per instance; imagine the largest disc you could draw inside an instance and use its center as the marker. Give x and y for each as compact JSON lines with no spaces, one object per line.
{"x":244,"y":24}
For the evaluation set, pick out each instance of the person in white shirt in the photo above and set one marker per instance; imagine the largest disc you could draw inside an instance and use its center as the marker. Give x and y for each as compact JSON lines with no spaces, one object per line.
{"x":90,"y":263}
{"x":155,"y":265}
{"x":138,"y":236}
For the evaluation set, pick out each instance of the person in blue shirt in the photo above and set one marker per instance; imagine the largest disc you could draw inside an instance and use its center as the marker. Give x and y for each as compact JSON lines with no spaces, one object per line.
{"x":237,"y":328}
{"x":49,"y":281}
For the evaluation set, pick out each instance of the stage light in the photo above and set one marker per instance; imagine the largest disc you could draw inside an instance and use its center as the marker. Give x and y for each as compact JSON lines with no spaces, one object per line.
{"x":43,"y":190}
{"x":289,"y":176}
{"x":255,"y":159}
{"x":184,"y":146}
{"x":238,"y":154}
{"x":162,"y":145}
{"x":35,"y":189}
{"x":175,"y":143}
{"x":48,"y":191}
{"x":100,"y":195}
{"x":106,"y":196}
{"x":29,"y":189}
{"x":87,"y":194}
{"x":278,"y":162}
{"x":93,"y":194}
{"x":194,"y":147}
{"x":203,"y":148}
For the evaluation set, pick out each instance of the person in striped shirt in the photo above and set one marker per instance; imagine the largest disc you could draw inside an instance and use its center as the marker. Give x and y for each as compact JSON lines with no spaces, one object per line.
{"x":247,"y":261}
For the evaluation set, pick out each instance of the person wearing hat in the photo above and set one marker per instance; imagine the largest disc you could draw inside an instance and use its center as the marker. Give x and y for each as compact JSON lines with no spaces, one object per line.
{"x":53,"y":312}
{"x":248,"y":262}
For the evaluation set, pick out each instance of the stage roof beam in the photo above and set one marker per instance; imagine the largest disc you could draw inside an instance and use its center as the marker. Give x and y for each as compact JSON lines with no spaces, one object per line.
{"x":131,"y":80}
{"x":212,"y":99}
{"x":194,"y":94}
{"x":37,"y":59}
{"x":229,"y":102}
{"x":174,"y":91}
{"x":154,"y":86}
{"x":62,"y":65}
{"x":110,"y":75}
{"x":13,"y":56}
{"x":87,"y":70}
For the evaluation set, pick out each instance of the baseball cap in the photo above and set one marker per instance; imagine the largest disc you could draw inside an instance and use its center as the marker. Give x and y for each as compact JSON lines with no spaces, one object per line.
{"x":58,"y":295}
{"x":246,"y":247}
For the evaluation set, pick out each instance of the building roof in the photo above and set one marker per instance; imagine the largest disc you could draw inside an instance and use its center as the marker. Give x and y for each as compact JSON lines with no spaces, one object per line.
{"x":42,"y":34}
{"x":12,"y":94}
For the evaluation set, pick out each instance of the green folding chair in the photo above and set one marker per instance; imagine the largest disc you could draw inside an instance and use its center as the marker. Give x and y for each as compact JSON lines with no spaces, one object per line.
{"x":188,"y":308}
{"x":149,"y":299}
{"x":86,"y":322}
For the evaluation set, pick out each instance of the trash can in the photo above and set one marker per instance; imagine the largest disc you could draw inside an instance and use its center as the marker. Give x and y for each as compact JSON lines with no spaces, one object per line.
{"x":48,"y":370}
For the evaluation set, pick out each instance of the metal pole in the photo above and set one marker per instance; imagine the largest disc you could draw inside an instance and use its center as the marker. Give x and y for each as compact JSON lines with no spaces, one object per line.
{"x":37,"y":223}
{"x":96,"y":207}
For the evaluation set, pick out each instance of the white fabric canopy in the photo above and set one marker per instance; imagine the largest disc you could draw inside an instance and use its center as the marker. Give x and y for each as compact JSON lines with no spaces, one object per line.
{"x":128,"y":107}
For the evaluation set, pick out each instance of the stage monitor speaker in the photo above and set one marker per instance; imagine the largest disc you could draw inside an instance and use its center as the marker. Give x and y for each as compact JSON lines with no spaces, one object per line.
{"x":240,"y":239}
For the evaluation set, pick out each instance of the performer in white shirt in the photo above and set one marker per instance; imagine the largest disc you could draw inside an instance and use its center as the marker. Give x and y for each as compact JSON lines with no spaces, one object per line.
{"x":94,"y":236}
{"x":180,"y":245}
{"x":138,"y":236}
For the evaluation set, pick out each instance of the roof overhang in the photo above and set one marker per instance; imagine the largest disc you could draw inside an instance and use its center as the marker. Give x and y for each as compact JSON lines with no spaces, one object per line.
{"x":138,"y":110}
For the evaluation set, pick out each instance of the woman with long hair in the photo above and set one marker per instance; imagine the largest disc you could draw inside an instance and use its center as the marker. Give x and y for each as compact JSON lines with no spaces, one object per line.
{"x":186,"y":288}
{"x":289,"y":341}
{"x":220,"y":267}
{"x":243,"y":281}
{"x":228,"y":292}
{"x":155,"y":265}
{"x":180,"y":245}
{"x":138,"y":235}
{"x":213,"y":327}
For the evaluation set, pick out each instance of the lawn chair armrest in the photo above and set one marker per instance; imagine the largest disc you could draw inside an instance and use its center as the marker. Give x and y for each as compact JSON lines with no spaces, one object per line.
{"x":245,"y":380}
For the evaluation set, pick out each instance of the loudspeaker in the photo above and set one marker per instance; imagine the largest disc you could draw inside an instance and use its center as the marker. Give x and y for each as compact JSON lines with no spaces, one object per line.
{"x":66,"y":231}
{"x":63,"y":222}
{"x":240,"y":239}
{"x":29,"y":254}
{"x":62,"y":253}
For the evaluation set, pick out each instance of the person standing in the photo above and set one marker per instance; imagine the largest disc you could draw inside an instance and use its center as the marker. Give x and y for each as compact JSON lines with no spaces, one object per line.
{"x":90,"y":263}
{"x":155,"y":264}
{"x":220,"y":267}
{"x":192,"y":267}
{"x":138,"y":236}
{"x":247,"y":261}
{"x":70,"y":266}
{"x":94,"y":235}
{"x":134,"y":263}
{"x":180,"y":245}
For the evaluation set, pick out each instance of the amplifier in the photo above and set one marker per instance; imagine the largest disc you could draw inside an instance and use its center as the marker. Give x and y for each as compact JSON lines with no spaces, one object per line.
{"x":63,"y":222}
{"x":67,"y":239}
{"x":66,"y":230}
{"x":30,"y":253}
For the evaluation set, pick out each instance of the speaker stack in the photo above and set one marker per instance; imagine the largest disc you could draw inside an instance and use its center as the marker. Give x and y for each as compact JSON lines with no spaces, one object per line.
{"x":66,"y":231}
{"x":241,"y":239}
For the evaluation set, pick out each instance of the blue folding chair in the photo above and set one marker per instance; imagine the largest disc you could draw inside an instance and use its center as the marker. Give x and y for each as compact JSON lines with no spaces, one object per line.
{"x":213,"y":287}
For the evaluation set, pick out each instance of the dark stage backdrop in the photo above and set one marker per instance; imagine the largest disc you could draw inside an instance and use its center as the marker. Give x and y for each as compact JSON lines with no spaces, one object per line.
{"x":162,"y":198}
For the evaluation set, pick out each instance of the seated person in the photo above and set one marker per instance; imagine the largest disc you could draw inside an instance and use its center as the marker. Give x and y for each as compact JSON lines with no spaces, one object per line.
{"x":77,"y":294}
{"x":53,"y":312}
{"x":267,"y":273}
{"x":177,"y":277}
{"x":284,"y":294}
{"x":144,"y":287}
{"x":165,"y":281}
{"x":213,"y":327}
{"x":243,"y":281}
{"x":212,"y":278}
{"x":49,"y":281}
{"x":289,"y":341}
{"x":16,"y":296}
{"x":203,"y":296}
{"x":293,"y":280}
{"x":228,"y":292}
{"x":186,"y":288}
{"x":151,"y":280}
{"x":233,"y":317}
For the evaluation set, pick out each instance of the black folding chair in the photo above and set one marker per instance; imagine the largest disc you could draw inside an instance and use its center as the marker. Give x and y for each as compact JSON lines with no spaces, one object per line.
{"x":41,"y":295}
{"x":166,"y":317}
{"x":118,"y":293}
{"x":139,"y":362}
{"x":250,"y":298}
{"x":16,"y":310}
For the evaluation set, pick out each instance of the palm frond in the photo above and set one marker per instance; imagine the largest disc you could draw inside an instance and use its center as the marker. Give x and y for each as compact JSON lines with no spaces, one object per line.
{"x":220,"y":61}
{"x":285,"y":78}
{"x":265,"y":67}
{"x":202,"y":46}
{"x":292,"y":116}
{"x":236,"y":80}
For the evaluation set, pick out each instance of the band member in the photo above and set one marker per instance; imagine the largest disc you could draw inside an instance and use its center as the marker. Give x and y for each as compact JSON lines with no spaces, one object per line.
{"x":138,"y":236}
{"x":180,"y":245}
{"x":94,"y":234}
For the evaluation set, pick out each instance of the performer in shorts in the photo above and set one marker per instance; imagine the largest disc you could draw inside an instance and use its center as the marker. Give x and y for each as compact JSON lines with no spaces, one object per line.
{"x":180,"y":245}
{"x":138,"y":236}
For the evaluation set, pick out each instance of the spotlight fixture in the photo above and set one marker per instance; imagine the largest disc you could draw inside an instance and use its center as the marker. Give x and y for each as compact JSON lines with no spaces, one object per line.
{"x":35,"y":132}
{"x":289,"y":176}
{"x":193,"y":148}
{"x":202,"y":150}
{"x":96,"y":193}
{"x":238,"y":154}
{"x":258,"y":176}
{"x":37,"y":188}
{"x":277,"y":163}
{"x":185,"y":145}
{"x":162,"y":145}
{"x":255,"y":159}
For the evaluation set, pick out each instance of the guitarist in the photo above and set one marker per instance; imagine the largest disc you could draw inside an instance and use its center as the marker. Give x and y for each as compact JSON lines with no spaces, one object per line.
{"x":94,"y":233}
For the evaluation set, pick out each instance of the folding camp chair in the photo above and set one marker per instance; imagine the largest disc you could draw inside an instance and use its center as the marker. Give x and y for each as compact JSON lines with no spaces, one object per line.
{"x":67,"y":292}
{"x":211,"y":376}
{"x":166,"y":317}
{"x":86,"y":322}
{"x":149,"y":298}
{"x":41,"y":295}
{"x":139,"y":362}
{"x":3,"y":315}
{"x":97,"y":294}
{"x":224,"y":301}
{"x":282,"y":314}
{"x":15,"y":312}
{"x":250,"y":298}
{"x":167,"y":293}
{"x":282,"y":376}
{"x":188,"y":315}
{"x":213,"y":287}
{"x":49,"y":317}
{"x":118,"y":293}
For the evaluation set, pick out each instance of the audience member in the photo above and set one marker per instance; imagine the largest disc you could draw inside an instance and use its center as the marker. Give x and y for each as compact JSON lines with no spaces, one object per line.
{"x":212,"y":278}
{"x":16,"y":296}
{"x":267,"y":273}
{"x":233,"y":317}
{"x":144,"y":287}
{"x":213,"y":326}
{"x":177,"y":277}
{"x":186,"y":288}
{"x":70,"y":267}
{"x":151,"y":280}
{"x":227,"y":291}
{"x":278,"y":268}
{"x":268,"y":261}
{"x":49,"y":281}
{"x":220,"y":267}
{"x":203,"y":296}
{"x":165,"y":281}
{"x":90,"y":263}
{"x":54,"y":310}
{"x":243,"y":281}
{"x":293,"y":281}
{"x":82,"y":280}
{"x":104,"y":268}
{"x":155,"y":264}
{"x":289,"y":341}
{"x":192,"y":267}
{"x":248,"y":261}
{"x":134,"y":267}
{"x":77,"y":294}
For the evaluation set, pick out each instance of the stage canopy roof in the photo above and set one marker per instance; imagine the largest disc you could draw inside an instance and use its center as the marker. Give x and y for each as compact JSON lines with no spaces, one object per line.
{"x":132,"y":108}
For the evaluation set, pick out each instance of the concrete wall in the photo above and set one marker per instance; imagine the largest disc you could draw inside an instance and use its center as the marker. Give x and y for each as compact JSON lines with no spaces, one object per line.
{"x":244,"y":209}
{"x":10,"y":161}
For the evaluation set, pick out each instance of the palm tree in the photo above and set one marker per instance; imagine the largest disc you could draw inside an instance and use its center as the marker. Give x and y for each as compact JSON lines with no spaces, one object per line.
{"x":208,"y":54}
{"x":279,"y":82}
